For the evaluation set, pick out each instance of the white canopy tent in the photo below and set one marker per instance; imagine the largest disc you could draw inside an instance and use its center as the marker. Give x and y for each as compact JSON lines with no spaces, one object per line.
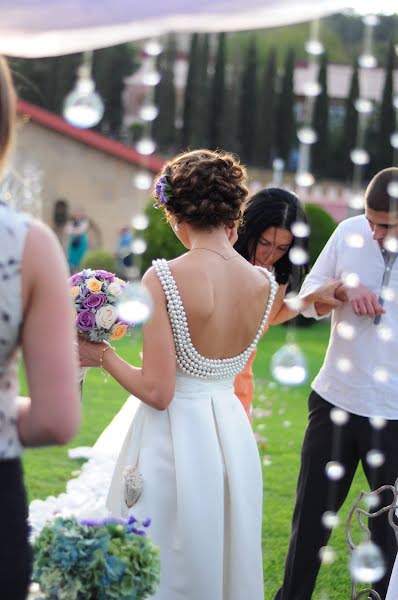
{"x":34,"y":28}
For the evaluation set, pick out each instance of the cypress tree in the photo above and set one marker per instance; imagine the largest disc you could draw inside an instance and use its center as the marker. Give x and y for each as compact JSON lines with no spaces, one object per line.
{"x":265,"y":129}
{"x":110,"y":67}
{"x":192,"y":89}
{"x":200,"y":135}
{"x":217,"y":95}
{"x":286,"y":121}
{"x":350,"y":126}
{"x":164,"y":131}
{"x":320,"y":150}
{"x":248,"y":104}
{"x":384,"y":154}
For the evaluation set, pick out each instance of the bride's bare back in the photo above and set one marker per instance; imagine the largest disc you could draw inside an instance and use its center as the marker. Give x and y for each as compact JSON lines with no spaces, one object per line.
{"x":224,"y":301}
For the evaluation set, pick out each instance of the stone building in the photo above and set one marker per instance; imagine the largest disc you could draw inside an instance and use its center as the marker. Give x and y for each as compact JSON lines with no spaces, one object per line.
{"x":80,"y":170}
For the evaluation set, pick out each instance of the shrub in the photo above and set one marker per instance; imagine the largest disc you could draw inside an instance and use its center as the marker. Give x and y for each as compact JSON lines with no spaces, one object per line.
{"x":322,"y":226}
{"x":160,"y":239}
{"x":99,"y":259}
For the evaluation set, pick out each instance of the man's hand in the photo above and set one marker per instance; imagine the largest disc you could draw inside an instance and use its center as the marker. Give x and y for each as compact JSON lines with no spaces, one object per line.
{"x":364,"y":302}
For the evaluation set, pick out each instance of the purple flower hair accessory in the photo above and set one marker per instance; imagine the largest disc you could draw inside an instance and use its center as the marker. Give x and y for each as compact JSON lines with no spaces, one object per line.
{"x":163,"y":191}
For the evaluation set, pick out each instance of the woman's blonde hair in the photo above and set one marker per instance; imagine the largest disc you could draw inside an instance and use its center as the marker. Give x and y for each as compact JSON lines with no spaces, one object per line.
{"x":7,"y":111}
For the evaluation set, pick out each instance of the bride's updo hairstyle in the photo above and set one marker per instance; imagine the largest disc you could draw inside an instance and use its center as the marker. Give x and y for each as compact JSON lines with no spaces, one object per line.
{"x":202,"y":188}
{"x":7,"y":111}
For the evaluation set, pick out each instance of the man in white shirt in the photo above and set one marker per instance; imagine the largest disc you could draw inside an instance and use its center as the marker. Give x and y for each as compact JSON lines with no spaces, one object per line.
{"x":359,"y":376}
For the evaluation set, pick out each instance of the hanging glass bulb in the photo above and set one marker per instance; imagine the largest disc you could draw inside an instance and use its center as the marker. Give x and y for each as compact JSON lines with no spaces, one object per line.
{"x":135,"y":304}
{"x":153,"y":48}
{"x":378,"y":422}
{"x":356,"y":201}
{"x":359,"y":156}
{"x":327,"y":554}
{"x":330,"y":519}
{"x":138,"y":246}
{"x":367,"y":61}
{"x":314,"y":47}
{"x":83,"y":107}
{"x":392,"y":189}
{"x":298,"y":256}
{"x":381,"y":375}
{"x":375,"y":458}
{"x":146,"y":146}
{"x":289,"y":365}
{"x":363,"y":105}
{"x":355,"y":240}
{"x":339,"y":416}
{"x":305,"y":179}
{"x":394,"y":139}
{"x":148,"y":112}
{"x":300,"y":229}
{"x":140,"y":222}
{"x":334,"y":470}
{"x":367,"y":563}
{"x":143,"y":180}
{"x":345,"y":330}
{"x":151,"y":78}
{"x":307,"y":135}
{"x":312,"y":88}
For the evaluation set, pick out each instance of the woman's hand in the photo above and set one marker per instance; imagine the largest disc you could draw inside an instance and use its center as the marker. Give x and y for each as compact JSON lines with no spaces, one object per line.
{"x":324,"y":298}
{"x":90,"y":352}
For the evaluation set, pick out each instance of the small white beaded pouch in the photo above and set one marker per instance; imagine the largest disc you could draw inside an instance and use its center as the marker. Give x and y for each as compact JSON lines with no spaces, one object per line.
{"x":133,"y":484}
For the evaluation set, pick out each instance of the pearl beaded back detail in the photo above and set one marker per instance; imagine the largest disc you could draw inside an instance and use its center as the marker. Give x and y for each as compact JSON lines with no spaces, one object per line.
{"x":188,"y":358}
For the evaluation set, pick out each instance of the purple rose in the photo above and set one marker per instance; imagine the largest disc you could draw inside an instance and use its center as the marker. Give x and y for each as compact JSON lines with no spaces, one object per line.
{"x":104,"y":274}
{"x":75,"y":279}
{"x":94,"y":301}
{"x":85,"y":320}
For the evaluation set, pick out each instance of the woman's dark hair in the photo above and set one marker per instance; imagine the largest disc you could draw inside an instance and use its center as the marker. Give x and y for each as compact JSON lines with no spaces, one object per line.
{"x":206,"y":189}
{"x":272,"y":207}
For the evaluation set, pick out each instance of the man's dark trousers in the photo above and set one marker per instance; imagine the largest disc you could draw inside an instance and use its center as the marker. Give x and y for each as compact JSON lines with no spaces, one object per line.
{"x":316,"y":494}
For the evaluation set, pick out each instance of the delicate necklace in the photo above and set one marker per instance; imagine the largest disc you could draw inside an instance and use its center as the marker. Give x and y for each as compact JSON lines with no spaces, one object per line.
{"x":216,"y":252}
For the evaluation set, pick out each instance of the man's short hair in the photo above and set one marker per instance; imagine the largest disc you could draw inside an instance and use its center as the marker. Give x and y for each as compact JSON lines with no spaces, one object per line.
{"x":377,"y":196}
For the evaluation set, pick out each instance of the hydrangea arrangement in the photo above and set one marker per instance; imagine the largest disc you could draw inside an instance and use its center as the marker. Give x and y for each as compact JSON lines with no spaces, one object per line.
{"x":111,"y":559}
{"x":96,"y":295}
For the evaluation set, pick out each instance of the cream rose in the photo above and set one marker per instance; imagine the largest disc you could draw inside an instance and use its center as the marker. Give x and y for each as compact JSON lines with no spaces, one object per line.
{"x":114,"y":289}
{"x":94,"y":285}
{"x":106,"y":316}
{"x":75,"y":291}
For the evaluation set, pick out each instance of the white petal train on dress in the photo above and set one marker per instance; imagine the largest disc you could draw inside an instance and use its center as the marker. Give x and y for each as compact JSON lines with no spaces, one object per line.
{"x":201,"y":470}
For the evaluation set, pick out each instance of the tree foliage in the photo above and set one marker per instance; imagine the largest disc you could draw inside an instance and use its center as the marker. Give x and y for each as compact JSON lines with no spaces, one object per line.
{"x":285,"y":116}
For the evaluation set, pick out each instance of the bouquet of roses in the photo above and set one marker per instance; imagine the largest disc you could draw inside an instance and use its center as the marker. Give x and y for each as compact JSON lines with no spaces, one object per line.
{"x":96,"y":560}
{"x":96,"y":294}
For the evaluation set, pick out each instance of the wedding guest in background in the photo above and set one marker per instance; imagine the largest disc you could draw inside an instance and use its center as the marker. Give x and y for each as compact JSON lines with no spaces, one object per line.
{"x":77,"y":229}
{"x":265,"y":238}
{"x":359,"y":376}
{"x":35,"y":315}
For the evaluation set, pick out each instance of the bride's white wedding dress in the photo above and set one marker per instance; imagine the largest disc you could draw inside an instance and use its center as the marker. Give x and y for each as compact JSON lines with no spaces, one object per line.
{"x":201,"y":470}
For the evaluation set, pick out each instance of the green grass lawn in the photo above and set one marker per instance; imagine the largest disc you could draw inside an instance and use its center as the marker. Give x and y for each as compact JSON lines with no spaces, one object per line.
{"x":47,"y":470}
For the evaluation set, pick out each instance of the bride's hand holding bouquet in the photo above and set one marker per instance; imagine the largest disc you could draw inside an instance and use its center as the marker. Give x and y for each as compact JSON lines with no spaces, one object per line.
{"x":96,"y":295}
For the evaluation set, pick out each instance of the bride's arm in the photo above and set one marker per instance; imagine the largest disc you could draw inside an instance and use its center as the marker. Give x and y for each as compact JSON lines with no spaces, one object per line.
{"x":154,"y":382}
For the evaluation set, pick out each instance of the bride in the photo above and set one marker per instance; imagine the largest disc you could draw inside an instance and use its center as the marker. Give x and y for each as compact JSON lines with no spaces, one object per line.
{"x":183,"y":425}
{"x":190,"y":437}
